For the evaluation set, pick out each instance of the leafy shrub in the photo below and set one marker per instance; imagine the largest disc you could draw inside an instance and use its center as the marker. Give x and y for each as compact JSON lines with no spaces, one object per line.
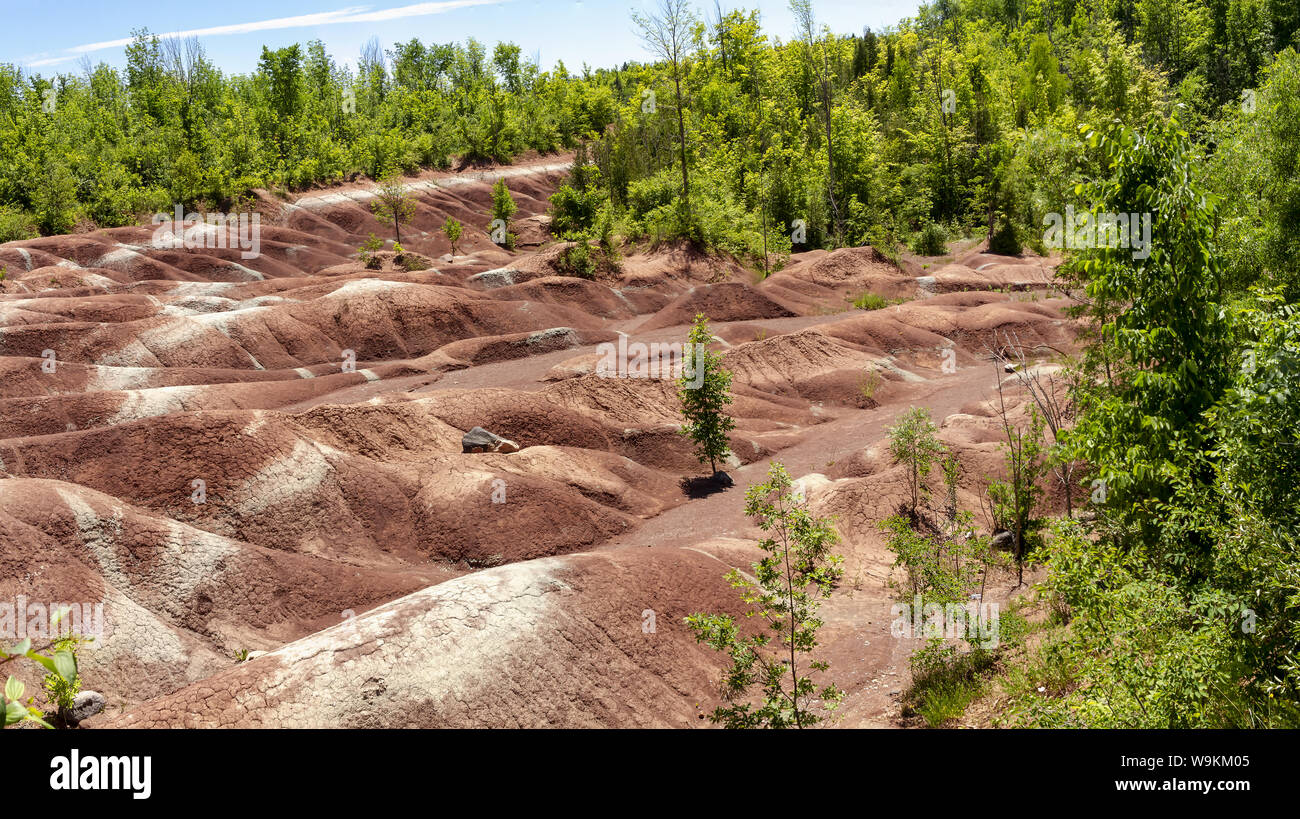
{"x":368,"y":250}
{"x":413,"y":262}
{"x":931,"y":241}
{"x":577,"y":260}
{"x":62,"y":687}
{"x":503,"y":207}
{"x":452,"y":230}
{"x":870,"y":301}
{"x":62,"y":680}
{"x":1005,"y":240}
{"x":572,"y":211}
{"x":882,"y":240}
{"x":945,"y":682}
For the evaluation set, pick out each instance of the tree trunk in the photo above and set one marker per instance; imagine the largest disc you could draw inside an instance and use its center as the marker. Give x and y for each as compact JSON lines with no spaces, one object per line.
{"x":830,"y":153}
{"x":681,"y":138}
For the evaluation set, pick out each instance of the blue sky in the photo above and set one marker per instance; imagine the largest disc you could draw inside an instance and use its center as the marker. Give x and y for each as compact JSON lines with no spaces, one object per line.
{"x":49,"y":38}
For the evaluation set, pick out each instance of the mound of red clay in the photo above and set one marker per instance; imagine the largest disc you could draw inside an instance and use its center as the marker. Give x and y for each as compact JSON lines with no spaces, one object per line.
{"x":820,"y":281}
{"x":177,"y":602}
{"x":727,"y":301}
{"x":579,"y":641}
{"x":237,"y":453}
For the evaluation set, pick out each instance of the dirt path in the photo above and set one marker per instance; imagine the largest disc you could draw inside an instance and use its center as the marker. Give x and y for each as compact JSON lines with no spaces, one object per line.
{"x":866,"y":660}
{"x":872,"y":665}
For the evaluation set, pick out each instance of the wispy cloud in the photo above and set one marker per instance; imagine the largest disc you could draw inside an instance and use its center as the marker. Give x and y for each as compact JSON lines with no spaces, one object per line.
{"x":352,"y":14}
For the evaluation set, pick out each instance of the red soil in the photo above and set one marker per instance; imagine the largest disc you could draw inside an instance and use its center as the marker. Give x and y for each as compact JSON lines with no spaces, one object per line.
{"x":396,"y":580}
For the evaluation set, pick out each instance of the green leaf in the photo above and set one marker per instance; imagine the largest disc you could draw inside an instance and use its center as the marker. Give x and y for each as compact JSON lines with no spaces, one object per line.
{"x":65,"y":664}
{"x":33,"y":715}
{"x":58,"y":617}
{"x":43,"y":660}
{"x":14,"y":688}
{"x":22,"y":648}
{"x":15,"y":712}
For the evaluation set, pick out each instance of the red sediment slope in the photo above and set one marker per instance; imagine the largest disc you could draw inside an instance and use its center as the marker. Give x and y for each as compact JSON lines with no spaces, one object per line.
{"x":264,"y":454}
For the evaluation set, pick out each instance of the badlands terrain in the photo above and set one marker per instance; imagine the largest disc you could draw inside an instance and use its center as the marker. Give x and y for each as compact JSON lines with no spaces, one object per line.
{"x":198,"y":453}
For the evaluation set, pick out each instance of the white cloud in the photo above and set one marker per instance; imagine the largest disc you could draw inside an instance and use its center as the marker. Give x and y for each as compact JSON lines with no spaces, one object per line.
{"x":352,"y":14}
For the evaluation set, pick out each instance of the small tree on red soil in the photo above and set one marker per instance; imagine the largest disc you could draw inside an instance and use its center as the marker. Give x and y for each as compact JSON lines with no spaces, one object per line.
{"x":914,"y":442}
{"x":1053,"y":394}
{"x":393,"y":203}
{"x":705,"y":390}
{"x":1013,"y":501}
{"x":452,"y":229}
{"x":796,"y":570}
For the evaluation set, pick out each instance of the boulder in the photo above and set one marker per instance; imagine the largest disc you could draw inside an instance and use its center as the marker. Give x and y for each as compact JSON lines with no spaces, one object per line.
{"x":480,"y":440}
{"x":84,"y":706}
{"x":492,"y":279}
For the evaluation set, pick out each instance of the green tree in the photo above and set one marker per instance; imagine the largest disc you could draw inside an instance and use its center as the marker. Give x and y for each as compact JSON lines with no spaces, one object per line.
{"x":1162,"y":355}
{"x":705,"y":391}
{"x":1014,"y":500}
{"x":915,"y":443}
{"x":818,"y":64}
{"x":667,"y":33}
{"x":503,"y":208}
{"x":452,"y":230}
{"x":393,"y":203}
{"x":797,"y":569}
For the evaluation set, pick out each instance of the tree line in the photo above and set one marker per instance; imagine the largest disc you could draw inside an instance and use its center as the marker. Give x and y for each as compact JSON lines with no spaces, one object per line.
{"x":104,"y":146}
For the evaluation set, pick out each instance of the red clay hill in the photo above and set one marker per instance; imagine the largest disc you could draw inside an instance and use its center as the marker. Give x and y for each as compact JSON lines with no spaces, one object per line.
{"x":256,"y":464}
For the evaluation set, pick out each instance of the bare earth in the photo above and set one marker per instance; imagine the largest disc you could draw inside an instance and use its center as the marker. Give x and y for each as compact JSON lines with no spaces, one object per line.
{"x":186,"y":439}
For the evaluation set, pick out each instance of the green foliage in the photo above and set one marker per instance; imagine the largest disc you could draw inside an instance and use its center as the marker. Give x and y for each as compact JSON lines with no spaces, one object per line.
{"x":915,"y":443}
{"x":1014,"y":500}
{"x":452,"y":230}
{"x":1141,"y":653}
{"x":15,"y":709}
{"x":1005,"y":241}
{"x":867,"y":385}
{"x":368,"y":250}
{"x":1254,"y":172}
{"x":1162,"y":352}
{"x":120,"y":144}
{"x":796,"y":571}
{"x":931,"y":241}
{"x":15,"y":226}
{"x":945,"y":682}
{"x":746,"y":133}
{"x":64,"y":683}
{"x":393,"y":204}
{"x":704,"y":390}
{"x":871,"y":301}
{"x":62,"y":680}
{"x":936,"y":569}
{"x":503,"y":207}
{"x":413,"y":262}
{"x":577,"y":260}
{"x":576,"y":204}
{"x":1180,"y":601}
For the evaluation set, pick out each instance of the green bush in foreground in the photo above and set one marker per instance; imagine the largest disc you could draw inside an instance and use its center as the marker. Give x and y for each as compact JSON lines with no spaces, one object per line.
{"x":62,"y":681}
{"x":797,"y":569}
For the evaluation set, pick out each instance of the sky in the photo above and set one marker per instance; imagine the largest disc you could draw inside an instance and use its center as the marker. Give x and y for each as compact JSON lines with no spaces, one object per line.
{"x":53,"y":37}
